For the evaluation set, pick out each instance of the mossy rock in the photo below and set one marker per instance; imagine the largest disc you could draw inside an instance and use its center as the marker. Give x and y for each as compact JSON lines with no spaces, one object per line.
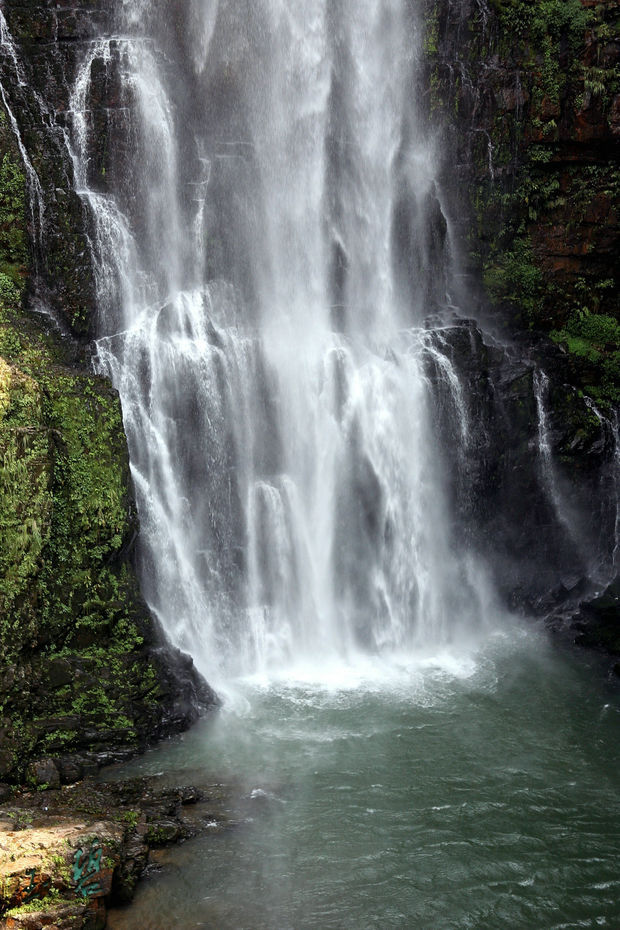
{"x":85,"y":667}
{"x":65,"y":506}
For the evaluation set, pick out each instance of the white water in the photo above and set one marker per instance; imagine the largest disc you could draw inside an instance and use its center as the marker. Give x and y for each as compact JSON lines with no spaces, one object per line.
{"x":289,"y":483}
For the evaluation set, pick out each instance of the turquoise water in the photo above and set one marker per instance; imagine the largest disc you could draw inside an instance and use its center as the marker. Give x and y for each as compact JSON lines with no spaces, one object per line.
{"x":470,"y":791}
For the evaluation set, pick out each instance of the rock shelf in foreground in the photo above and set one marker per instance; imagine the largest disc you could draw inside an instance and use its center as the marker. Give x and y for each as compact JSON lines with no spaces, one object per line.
{"x":67,"y":855}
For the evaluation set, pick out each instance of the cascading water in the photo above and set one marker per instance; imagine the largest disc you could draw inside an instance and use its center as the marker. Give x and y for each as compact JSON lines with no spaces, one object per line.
{"x":288,"y":479}
{"x":548,"y":475}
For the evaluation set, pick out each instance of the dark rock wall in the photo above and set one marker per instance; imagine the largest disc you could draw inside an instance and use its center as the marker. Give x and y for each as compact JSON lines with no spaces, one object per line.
{"x":49,"y":39}
{"x":527,"y":94}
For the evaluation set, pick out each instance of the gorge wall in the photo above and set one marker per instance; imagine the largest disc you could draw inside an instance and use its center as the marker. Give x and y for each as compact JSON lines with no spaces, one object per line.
{"x":526,"y":95}
{"x":529,"y":93}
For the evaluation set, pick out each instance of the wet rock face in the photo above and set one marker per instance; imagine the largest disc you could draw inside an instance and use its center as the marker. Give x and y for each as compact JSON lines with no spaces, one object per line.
{"x":596,"y":621}
{"x":49,"y":39}
{"x":532,"y":482}
{"x":529,"y":95}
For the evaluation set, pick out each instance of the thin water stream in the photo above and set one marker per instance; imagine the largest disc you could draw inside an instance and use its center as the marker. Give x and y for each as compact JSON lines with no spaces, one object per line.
{"x":478,"y":791}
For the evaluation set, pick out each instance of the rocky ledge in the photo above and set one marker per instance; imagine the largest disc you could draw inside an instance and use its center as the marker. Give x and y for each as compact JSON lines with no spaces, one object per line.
{"x":67,"y":855}
{"x":592,"y":622}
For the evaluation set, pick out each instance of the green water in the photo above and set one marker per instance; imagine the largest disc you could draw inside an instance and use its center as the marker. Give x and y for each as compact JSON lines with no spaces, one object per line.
{"x":469,"y":791}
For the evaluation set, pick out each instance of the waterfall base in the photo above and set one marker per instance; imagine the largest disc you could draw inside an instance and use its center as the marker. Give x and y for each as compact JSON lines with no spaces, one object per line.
{"x":452,"y":796}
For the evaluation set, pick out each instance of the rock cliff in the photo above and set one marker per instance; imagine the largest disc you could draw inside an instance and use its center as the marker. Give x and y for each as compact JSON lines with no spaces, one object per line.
{"x":528,"y":95}
{"x":86,"y":675}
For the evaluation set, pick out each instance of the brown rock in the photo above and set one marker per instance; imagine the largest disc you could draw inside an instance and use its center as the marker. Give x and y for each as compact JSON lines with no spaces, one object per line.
{"x":44,"y":772}
{"x":91,"y":916}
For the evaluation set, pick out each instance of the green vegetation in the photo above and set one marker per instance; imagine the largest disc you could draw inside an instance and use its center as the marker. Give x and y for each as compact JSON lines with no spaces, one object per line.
{"x":64,"y":510}
{"x":54,"y":899}
{"x":431,"y":38}
{"x":595,"y":339}
{"x":130,"y":817}
{"x":540,"y":33}
{"x":512,"y":277}
{"x":543,"y":21}
{"x":67,"y":597}
{"x":13,"y":238}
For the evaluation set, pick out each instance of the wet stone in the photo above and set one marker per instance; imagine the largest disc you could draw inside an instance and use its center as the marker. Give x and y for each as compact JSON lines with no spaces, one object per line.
{"x":44,"y":773}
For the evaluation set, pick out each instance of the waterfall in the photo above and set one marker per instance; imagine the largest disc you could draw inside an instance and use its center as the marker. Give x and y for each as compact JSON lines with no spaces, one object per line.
{"x":267,"y":252}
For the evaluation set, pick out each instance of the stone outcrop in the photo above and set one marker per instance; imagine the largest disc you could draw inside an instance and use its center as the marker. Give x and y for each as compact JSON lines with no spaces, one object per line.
{"x":66,"y":856}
